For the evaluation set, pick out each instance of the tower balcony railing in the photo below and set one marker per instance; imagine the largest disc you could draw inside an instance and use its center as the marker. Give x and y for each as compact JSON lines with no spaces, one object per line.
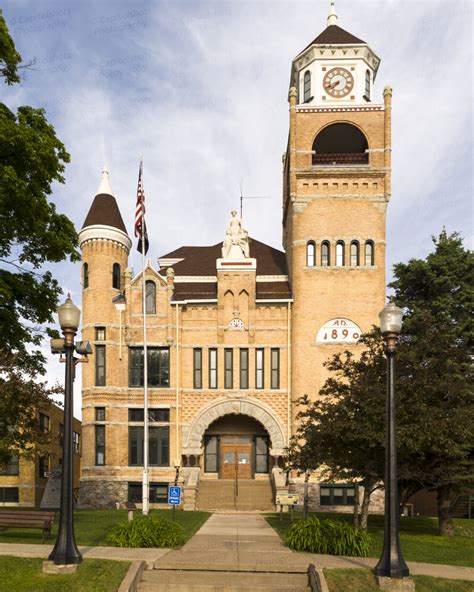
{"x":341,"y":159}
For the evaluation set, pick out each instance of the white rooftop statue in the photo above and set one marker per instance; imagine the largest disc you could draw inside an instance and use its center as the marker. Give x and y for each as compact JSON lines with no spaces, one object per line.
{"x":104,"y":186}
{"x":332,"y":17}
{"x":236,"y":242}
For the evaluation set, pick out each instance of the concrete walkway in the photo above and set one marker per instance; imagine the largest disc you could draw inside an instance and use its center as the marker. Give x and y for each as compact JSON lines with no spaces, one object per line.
{"x":238,"y":542}
{"x":246,"y":542}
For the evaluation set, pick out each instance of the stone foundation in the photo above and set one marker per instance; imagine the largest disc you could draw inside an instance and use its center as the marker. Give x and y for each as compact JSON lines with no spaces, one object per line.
{"x":101,"y":494}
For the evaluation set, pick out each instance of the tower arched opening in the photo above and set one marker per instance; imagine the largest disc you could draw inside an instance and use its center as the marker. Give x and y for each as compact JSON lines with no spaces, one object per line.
{"x":340,"y":144}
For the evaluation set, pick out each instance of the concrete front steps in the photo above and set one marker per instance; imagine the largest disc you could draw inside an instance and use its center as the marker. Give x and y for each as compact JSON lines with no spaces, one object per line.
{"x":162,"y":580}
{"x":220,"y":495}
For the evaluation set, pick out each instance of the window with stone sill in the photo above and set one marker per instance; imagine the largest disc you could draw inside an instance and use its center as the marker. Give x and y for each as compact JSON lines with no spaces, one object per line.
{"x":336,"y":495}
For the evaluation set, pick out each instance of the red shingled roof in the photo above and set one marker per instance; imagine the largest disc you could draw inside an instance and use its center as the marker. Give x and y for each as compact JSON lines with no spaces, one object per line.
{"x":202,"y":260}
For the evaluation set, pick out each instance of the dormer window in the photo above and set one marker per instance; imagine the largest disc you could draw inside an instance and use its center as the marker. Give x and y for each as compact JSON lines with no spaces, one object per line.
{"x":307,"y":87}
{"x":367,"y":85}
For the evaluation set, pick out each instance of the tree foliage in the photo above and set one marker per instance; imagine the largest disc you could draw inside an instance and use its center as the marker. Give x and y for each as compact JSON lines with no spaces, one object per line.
{"x":32,"y":233}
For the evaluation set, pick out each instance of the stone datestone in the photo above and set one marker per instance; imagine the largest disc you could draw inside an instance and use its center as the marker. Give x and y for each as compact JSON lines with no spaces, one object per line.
{"x":51,"y":499}
{"x":49,"y":567}
{"x":101,"y":494}
{"x":395,"y":584}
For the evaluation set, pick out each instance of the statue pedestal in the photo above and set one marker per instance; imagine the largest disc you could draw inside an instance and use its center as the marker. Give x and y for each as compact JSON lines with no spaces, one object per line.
{"x":239,"y":264}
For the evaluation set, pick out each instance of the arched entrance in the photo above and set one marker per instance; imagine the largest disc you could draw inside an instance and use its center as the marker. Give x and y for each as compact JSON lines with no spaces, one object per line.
{"x":236,"y":446}
{"x":240,"y":438}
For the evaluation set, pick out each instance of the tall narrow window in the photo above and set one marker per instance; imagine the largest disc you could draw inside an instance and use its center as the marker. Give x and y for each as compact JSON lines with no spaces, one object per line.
{"x":339,"y":253}
{"x":116,"y":276}
{"x":100,"y":365}
{"x":100,"y":445}
{"x":354,"y":254}
{"x":85,"y":275}
{"x":307,"y":86}
{"x":325,"y":257}
{"x":158,"y":367}
{"x":310,"y":254}
{"x":43,"y":423}
{"x":275,"y":368}
{"x":369,"y":253}
{"x":197,"y":368}
{"x":150,"y":297}
{"x":228,"y":368}
{"x":261,"y":454}
{"x":158,"y":446}
{"x":259,"y":369}
{"x":100,"y":413}
{"x":367,"y":85}
{"x":100,"y":333}
{"x":244,"y":368}
{"x":213,"y":368}
{"x":211,"y":454}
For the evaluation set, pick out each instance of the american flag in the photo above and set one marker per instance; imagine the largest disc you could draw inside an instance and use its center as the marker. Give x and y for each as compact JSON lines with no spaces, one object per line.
{"x":140,"y":224}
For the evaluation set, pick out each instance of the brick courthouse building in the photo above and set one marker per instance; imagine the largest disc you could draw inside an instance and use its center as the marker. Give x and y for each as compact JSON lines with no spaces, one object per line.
{"x":238,"y":331}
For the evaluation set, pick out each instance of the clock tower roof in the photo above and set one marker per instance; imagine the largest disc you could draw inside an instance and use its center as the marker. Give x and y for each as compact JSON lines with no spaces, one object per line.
{"x":334,"y":35}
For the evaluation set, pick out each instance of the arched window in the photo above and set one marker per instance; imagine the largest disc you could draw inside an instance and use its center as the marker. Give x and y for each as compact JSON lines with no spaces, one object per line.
{"x":310,"y":254}
{"x":150,"y":297}
{"x":354,"y":254}
{"x":116,"y":276}
{"x":339,"y":253}
{"x":340,"y":144}
{"x":307,"y":86}
{"x":85,"y":275}
{"x":369,"y":253}
{"x":325,"y":257}
{"x":367,"y":85}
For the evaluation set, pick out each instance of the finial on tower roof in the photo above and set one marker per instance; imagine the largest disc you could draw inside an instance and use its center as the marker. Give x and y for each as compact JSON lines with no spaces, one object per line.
{"x":104,"y":186}
{"x":332,"y":17}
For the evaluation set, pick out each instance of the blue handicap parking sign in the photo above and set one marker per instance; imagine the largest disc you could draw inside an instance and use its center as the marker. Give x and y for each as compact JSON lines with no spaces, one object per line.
{"x":174,"y":495}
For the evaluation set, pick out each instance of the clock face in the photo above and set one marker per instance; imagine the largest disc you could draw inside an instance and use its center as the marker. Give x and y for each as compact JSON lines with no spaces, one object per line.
{"x":338,"y":82}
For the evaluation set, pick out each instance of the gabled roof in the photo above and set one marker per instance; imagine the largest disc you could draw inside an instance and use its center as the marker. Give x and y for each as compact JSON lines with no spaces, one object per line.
{"x":334,"y":35}
{"x":202,"y":260}
{"x":104,"y":211}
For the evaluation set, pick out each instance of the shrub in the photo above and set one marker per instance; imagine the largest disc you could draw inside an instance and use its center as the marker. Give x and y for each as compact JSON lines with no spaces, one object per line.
{"x":146,"y":531}
{"x":331,"y":537}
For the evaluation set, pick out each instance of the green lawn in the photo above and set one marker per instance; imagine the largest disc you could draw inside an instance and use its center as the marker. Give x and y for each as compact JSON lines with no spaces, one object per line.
{"x":362,"y":580}
{"x":418,"y":537}
{"x":20,"y":574}
{"x":92,"y":526}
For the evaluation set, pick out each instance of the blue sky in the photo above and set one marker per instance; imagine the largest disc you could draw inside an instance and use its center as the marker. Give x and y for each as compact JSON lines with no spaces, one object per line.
{"x":200,"y":89}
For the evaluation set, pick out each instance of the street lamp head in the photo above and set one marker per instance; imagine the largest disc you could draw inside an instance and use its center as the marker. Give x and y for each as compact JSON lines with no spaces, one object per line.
{"x":69,"y":315}
{"x":391,"y":318}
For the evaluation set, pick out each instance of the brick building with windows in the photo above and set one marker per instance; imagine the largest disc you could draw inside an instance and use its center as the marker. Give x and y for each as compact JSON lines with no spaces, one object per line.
{"x":23,"y":480}
{"x":238,"y":331}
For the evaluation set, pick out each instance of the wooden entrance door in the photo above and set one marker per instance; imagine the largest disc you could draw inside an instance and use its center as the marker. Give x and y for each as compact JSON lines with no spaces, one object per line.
{"x":236,"y":459}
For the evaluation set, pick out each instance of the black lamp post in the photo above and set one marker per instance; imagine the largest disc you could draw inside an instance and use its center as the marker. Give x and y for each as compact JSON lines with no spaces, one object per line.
{"x":65,"y":550}
{"x":391,"y":563}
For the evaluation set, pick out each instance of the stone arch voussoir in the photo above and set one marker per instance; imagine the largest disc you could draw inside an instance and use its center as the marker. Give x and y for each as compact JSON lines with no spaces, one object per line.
{"x":250,"y":407}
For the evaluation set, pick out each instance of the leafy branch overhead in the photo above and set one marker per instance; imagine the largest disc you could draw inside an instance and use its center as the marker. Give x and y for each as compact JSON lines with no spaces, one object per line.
{"x":32,"y":234}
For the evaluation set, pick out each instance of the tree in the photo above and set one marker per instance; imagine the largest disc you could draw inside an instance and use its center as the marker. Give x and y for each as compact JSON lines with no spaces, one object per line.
{"x":342,"y":431}
{"x":435,"y":363}
{"x":32,"y":233}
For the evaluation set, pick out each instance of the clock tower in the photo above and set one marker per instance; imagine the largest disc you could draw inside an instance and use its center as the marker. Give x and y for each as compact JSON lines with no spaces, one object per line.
{"x":336,"y":189}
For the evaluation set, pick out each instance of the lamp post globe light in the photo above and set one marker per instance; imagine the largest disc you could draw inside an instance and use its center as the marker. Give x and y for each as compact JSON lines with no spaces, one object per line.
{"x":65,"y":550}
{"x":391,"y":563}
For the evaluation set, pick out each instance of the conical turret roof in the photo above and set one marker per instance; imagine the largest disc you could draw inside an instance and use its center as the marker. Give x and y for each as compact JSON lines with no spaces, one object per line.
{"x":104,"y":209}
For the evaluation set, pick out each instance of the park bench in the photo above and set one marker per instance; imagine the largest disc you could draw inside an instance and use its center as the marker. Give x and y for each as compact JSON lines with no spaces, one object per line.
{"x":27,"y":519}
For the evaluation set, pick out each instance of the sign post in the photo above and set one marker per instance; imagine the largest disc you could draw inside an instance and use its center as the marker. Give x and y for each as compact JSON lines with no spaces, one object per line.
{"x":174,"y":497}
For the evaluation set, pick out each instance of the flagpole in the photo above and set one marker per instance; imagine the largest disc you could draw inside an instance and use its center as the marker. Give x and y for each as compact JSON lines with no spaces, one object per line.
{"x":145,"y":488}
